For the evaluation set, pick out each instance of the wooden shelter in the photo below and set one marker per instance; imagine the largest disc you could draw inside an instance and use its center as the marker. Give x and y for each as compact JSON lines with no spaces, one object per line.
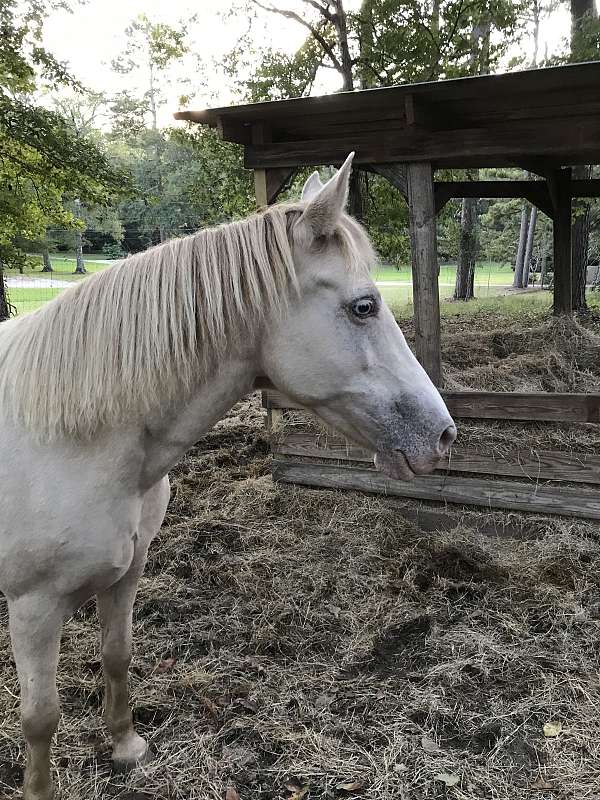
{"x":544,"y":121}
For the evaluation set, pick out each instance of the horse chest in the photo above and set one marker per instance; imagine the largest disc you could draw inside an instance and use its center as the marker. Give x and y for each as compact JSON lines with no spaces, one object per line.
{"x":66,"y":524}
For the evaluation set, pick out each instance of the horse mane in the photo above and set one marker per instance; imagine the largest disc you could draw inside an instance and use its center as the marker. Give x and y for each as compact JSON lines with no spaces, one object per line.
{"x":131,"y":339}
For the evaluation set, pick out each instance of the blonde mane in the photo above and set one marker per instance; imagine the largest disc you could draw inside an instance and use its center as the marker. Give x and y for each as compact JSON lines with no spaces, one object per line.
{"x":132,"y":338}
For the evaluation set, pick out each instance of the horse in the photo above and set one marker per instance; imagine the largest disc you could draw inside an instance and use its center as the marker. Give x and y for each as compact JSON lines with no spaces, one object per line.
{"x":104,"y":389}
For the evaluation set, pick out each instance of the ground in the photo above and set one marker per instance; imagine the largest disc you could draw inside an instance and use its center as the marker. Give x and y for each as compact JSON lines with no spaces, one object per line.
{"x":298,"y":643}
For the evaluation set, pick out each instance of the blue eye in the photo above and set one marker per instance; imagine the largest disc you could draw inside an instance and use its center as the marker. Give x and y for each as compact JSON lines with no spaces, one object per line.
{"x":364,"y":307}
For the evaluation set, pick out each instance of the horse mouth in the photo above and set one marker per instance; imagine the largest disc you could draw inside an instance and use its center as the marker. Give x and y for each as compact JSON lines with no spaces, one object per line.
{"x":394,"y":465}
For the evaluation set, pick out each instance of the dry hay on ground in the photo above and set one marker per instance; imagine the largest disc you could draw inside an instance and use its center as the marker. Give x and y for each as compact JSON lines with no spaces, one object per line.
{"x":290,"y":639}
{"x":489,"y":351}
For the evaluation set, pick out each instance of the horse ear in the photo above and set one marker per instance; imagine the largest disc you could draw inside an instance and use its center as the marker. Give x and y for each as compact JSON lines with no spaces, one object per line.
{"x":312,"y":187}
{"x":325,"y":208}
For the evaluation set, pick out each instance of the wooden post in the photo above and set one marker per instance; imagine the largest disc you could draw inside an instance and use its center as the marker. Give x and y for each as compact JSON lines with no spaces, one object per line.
{"x":425,"y":269}
{"x":260,"y":135}
{"x":560,"y":192}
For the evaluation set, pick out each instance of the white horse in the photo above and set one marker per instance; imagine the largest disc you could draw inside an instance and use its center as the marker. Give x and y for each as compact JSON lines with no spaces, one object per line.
{"x":104,"y":389}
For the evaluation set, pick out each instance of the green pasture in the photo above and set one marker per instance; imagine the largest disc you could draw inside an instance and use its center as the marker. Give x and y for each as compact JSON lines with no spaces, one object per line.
{"x":487,"y":273}
{"x":63,"y":267}
{"x":26,"y":300}
{"x":491,"y":280}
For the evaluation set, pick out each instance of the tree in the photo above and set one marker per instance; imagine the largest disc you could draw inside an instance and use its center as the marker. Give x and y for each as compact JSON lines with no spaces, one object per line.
{"x":464,"y":287}
{"x":41,"y":160}
{"x":152,"y":48}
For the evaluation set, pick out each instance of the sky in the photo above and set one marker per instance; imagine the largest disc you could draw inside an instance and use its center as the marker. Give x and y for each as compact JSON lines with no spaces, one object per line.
{"x":90,"y":37}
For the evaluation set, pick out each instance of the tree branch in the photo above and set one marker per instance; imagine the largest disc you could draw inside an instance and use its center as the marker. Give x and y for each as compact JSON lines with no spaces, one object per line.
{"x":314,"y":32}
{"x":323,"y":10}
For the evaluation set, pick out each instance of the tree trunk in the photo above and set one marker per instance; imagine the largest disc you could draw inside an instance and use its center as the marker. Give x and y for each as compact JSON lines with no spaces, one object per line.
{"x":366,"y":44}
{"x":580,"y":237}
{"x":152,"y":94}
{"x":341,"y":27}
{"x":46,"y":259}
{"x":434,"y":26}
{"x":465,"y":270}
{"x":529,"y":246}
{"x":520,"y":259}
{"x":356,"y":194}
{"x":581,"y":12}
{"x":479,"y":64}
{"x":5,"y":307}
{"x":536,"y":31}
{"x":80,"y":266}
{"x":544,"y":258}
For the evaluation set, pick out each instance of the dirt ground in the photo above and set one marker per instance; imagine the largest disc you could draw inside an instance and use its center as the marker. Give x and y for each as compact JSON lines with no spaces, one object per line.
{"x":310,"y":644}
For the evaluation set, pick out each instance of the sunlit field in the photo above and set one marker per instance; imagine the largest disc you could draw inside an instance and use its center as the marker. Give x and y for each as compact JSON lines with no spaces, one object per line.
{"x":33,"y":288}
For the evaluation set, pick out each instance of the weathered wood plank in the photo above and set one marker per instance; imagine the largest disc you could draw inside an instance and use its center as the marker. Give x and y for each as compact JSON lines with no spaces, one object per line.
{"x":425,"y":268}
{"x":394,"y":173}
{"x":574,"y":140}
{"x":515,"y":496}
{"x":530,"y":406}
{"x":533,"y":465}
{"x":534,"y":191}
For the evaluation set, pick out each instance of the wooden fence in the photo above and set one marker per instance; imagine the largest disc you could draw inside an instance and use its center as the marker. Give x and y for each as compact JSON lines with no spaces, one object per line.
{"x":543,"y":481}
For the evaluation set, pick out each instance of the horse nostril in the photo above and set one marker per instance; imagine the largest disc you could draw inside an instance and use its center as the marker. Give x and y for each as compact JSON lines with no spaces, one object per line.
{"x":447,"y":440}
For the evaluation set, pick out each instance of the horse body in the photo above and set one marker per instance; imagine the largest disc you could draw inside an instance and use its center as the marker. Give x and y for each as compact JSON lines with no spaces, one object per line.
{"x":86,"y":443}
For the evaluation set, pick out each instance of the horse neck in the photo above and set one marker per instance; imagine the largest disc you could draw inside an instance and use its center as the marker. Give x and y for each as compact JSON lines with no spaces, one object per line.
{"x":169,"y":435}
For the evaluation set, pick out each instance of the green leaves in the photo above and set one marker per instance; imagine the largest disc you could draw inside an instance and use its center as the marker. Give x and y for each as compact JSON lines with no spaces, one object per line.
{"x":43,"y":159}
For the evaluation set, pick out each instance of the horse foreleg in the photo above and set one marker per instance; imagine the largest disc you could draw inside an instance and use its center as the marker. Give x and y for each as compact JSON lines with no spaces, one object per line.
{"x":115,"y":609}
{"x":35,"y":626}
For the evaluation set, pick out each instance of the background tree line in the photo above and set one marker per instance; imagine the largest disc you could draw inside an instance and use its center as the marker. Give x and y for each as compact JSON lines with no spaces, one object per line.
{"x":97,"y":172}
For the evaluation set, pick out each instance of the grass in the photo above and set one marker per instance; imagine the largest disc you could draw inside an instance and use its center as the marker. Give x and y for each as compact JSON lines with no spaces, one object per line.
{"x":486,"y":273}
{"x":63,"y":268}
{"x":28,"y":299}
{"x":490,"y":280}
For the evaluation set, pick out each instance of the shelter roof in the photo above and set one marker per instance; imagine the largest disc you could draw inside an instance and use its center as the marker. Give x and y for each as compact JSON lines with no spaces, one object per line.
{"x":549,"y":116}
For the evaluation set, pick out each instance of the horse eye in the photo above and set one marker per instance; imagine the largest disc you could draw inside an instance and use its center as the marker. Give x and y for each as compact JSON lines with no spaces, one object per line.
{"x":364,"y":307}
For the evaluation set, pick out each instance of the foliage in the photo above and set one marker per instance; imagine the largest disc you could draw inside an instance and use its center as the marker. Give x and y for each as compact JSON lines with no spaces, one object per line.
{"x":203,"y":183}
{"x":42,"y":158}
{"x":151,"y":48}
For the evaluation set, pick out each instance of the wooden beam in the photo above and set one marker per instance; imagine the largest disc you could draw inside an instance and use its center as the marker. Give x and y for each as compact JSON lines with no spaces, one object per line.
{"x":540,"y":406}
{"x":395,"y":174}
{"x":559,"y":185}
{"x":278,"y":179}
{"x":535,"y":465}
{"x":527,"y":406}
{"x":534,"y":191}
{"x":418,"y":114}
{"x":565,"y":141}
{"x":425,"y":269}
{"x":511,"y":495}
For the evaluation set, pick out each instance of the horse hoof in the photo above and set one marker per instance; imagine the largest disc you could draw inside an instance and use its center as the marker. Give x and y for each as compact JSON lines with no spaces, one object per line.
{"x":136,"y":754}
{"x":29,"y":794}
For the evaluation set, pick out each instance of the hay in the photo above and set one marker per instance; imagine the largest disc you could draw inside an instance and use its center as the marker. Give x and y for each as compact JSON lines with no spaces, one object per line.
{"x":323,"y":640}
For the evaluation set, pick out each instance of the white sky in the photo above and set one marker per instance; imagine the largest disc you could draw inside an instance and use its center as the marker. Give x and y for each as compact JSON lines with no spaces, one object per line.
{"x":94,"y":34}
